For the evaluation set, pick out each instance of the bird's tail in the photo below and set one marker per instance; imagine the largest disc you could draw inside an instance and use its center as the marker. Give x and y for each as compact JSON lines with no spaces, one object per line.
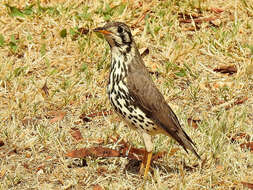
{"x":185,"y":141}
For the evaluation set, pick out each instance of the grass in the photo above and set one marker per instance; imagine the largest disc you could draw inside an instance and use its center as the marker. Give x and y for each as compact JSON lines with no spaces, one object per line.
{"x":40,"y":42}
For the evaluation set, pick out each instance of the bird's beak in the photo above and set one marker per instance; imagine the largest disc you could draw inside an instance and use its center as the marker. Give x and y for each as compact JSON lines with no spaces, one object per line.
{"x":102,"y":30}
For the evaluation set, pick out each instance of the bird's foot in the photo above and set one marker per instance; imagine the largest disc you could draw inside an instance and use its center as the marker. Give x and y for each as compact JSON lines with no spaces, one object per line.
{"x":146,"y":162}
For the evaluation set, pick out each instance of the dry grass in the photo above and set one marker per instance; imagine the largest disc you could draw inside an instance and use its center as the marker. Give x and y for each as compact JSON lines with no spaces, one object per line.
{"x":75,"y":69}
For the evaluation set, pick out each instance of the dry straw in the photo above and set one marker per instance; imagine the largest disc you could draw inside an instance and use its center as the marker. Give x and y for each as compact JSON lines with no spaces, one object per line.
{"x":47,"y":43}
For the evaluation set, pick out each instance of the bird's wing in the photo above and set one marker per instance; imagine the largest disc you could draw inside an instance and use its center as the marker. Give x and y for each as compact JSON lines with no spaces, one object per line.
{"x":147,"y":97}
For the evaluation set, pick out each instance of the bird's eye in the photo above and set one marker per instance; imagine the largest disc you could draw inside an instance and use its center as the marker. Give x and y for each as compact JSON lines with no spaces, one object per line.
{"x":120,"y":29}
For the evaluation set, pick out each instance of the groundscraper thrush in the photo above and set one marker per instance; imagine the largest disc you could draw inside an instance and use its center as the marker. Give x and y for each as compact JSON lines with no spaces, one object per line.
{"x":134,"y":95}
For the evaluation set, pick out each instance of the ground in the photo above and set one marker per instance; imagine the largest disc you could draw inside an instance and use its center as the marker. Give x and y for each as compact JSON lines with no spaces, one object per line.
{"x":54,"y":71}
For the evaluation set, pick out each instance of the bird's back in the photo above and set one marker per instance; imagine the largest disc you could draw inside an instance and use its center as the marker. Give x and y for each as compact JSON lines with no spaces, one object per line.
{"x":150,"y":101}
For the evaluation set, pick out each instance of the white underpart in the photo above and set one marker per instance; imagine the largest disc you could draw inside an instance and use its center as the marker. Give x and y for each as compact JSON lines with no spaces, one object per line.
{"x":141,"y":123}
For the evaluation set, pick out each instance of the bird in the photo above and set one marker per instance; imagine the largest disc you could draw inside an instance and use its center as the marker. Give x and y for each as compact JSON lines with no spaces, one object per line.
{"x":134,"y":95}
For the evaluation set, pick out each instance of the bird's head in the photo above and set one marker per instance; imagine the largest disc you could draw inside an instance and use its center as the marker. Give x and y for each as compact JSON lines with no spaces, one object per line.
{"x":117,"y":34}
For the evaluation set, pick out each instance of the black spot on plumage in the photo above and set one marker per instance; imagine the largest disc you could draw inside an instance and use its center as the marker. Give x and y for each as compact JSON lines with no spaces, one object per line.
{"x":124,"y":67}
{"x":117,"y":78}
{"x":118,"y":103}
{"x":141,"y":126}
{"x":150,"y":123}
{"x":127,"y":104}
{"x":113,"y":104}
{"x":113,"y":87}
{"x":124,"y":113}
{"x":130,"y":117}
{"x":114,"y":62}
{"x":124,"y":96}
{"x":134,"y":121}
{"x":148,"y":116}
{"x":135,"y":117}
{"x":141,"y":117}
{"x":123,"y":91}
{"x":130,"y":109}
{"x":118,"y":64}
{"x":119,"y":95}
{"x":119,"y":111}
{"x":116,"y":108}
{"x":125,"y":57}
{"x":128,"y":49}
{"x":113,"y":75}
{"x":124,"y":54}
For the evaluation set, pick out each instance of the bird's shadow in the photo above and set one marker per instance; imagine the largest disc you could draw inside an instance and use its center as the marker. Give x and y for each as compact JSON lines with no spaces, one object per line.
{"x":133,"y":166}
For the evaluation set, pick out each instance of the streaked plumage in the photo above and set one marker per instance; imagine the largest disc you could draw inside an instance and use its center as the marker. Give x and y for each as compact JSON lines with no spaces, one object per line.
{"x":133,"y":93}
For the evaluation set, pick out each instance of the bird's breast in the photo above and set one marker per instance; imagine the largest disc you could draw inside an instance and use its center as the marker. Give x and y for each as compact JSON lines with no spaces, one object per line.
{"x":123,"y":103}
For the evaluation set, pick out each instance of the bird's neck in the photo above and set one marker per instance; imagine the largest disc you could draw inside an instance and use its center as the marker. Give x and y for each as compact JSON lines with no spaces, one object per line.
{"x":121,"y":57}
{"x":119,"y":66}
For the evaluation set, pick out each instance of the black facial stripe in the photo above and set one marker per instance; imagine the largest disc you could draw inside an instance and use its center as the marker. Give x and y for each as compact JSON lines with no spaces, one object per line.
{"x":130,"y":36}
{"x":116,"y":43}
{"x":126,"y":40}
{"x":122,"y":36}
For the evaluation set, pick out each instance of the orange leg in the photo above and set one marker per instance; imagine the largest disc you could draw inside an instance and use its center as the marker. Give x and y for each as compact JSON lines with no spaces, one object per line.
{"x":143,"y":163}
{"x":148,"y":155}
{"x":148,"y":161}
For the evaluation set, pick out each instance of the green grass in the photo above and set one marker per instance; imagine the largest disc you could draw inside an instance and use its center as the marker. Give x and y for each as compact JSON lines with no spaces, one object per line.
{"x":42,"y":42}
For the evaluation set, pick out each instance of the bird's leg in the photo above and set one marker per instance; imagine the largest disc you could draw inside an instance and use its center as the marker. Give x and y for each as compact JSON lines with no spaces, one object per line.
{"x":143,"y":163}
{"x":148,"y":154}
{"x":148,"y":161}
